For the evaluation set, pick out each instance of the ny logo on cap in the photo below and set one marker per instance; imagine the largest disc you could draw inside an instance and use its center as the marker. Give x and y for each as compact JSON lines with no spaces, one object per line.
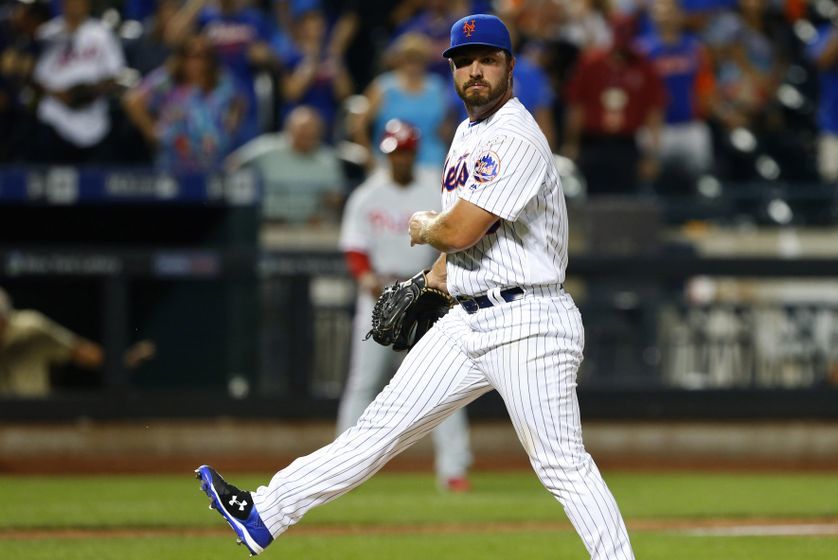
{"x":468,"y":28}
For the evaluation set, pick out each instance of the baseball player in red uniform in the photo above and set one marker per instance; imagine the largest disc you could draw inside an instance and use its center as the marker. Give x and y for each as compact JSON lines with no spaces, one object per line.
{"x":375,"y":240}
{"x":503,"y":238}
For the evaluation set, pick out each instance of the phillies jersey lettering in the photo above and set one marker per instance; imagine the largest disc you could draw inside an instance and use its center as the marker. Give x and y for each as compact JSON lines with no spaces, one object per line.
{"x":384,"y":222}
{"x":376,"y":218}
{"x":504,"y":165}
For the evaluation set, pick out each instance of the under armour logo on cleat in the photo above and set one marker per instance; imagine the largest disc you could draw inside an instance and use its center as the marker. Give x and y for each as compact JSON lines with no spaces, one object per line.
{"x":241,"y":504}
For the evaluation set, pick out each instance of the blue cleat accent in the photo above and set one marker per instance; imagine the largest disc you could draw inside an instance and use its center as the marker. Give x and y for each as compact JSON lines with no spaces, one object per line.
{"x":236,"y":507}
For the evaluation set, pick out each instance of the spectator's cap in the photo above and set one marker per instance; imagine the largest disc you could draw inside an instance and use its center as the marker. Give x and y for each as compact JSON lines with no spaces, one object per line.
{"x":5,"y":304}
{"x":479,"y":29}
{"x":399,"y":135}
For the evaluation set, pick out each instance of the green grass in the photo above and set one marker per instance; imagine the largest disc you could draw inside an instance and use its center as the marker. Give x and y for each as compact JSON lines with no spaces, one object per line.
{"x":524,"y":546}
{"x":408,"y":499}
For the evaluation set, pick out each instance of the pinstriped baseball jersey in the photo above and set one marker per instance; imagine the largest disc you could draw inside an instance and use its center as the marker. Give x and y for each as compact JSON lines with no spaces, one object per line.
{"x":504,"y":165}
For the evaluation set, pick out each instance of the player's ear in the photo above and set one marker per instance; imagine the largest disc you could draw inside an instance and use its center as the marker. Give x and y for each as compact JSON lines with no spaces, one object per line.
{"x":510,"y":66}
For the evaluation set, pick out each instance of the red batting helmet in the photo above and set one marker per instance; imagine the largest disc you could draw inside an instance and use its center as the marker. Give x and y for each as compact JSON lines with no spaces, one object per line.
{"x":399,"y":135}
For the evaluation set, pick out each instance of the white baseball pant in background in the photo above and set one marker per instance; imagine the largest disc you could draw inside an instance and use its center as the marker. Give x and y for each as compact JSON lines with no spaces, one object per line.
{"x":372,"y":365}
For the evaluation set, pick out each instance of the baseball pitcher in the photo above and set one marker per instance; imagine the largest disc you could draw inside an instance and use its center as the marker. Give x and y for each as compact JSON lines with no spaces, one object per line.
{"x":502,"y":233}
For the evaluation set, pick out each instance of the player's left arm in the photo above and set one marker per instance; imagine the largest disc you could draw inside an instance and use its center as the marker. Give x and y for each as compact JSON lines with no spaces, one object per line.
{"x":456,"y":229}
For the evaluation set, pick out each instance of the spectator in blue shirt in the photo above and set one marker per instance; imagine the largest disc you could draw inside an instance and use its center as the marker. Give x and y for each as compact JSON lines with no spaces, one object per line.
{"x":313,"y":76}
{"x":684,"y":64}
{"x":411,"y":93}
{"x":139,"y":9}
{"x":151,"y":49}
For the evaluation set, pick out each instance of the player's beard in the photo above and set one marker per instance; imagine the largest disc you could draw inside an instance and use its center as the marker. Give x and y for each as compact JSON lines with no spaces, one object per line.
{"x":488,"y":97}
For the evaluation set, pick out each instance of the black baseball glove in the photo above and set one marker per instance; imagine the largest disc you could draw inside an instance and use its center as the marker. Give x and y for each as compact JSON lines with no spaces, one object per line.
{"x":405,"y":311}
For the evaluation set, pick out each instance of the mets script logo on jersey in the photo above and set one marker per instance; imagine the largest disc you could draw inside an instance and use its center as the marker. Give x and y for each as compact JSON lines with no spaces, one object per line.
{"x":487,"y":167}
{"x":468,"y":28}
{"x":456,"y":175}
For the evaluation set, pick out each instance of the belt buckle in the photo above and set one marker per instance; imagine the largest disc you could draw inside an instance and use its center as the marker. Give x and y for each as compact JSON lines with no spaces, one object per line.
{"x":468,"y":303}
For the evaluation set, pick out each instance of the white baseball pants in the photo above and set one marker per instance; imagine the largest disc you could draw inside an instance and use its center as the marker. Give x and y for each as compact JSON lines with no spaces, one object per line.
{"x":529,"y":351}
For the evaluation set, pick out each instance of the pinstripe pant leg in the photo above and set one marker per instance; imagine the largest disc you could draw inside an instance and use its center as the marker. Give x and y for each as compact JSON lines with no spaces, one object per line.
{"x":435,"y":379}
{"x":536,"y":376}
{"x":369,"y":367}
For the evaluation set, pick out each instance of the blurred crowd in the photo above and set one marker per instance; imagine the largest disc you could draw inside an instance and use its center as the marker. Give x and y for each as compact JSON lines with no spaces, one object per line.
{"x":672,"y":96}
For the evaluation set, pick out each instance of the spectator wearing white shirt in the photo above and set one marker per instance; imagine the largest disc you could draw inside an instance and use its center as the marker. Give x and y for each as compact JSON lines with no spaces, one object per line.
{"x":75,"y":72}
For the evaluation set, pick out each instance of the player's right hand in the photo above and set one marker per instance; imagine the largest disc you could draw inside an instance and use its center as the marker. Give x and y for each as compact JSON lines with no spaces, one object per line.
{"x":418,"y":222}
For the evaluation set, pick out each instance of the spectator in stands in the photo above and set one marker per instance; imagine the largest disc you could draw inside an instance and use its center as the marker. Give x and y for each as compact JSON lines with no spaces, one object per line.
{"x":750,"y":51}
{"x":749,"y":63}
{"x":76,"y":73}
{"x":433,"y":19}
{"x":301,"y":176}
{"x":548,"y":42}
{"x":18,"y":54}
{"x":151,"y":49}
{"x":584,"y":24}
{"x":138,"y":10}
{"x":189,"y":110}
{"x":281,"y":42}
{"x":314,"y":76}
{"x":241,"y":38}
{"x":361,"y":29}
{"x":612,"y":94}
{"x":410,"y":93}
{"x":686,"y":149}
{"x":824,"y":53}
{"x":31,"y":343}
{"x":698,"y":14}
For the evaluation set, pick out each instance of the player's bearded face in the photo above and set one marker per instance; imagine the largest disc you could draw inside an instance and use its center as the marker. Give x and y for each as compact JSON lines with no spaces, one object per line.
{"x":481,"y":76}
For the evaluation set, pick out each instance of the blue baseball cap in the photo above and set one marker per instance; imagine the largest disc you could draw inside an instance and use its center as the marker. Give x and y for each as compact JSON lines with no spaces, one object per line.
{"x":479,"y":29}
